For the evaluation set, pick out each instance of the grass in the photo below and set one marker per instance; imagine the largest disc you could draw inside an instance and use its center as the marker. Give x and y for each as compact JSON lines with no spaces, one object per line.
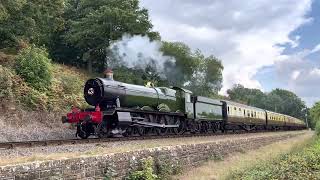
{"x":231,"y":166}
{"x":302,"y":163}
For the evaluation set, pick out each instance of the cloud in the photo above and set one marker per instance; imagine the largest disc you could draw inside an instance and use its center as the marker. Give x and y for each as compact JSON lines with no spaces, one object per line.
{"x":316,"y":49}
{"x":301,"y":75}
{"x":245,"y":35}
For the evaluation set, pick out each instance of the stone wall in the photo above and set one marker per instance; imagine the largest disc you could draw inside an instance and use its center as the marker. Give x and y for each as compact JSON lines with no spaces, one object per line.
{"x":118,"y":165}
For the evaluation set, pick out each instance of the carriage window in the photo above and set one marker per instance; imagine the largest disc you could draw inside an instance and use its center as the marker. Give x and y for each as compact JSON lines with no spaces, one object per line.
{"x":239,"y":109}
{"x":244,"y":112}
{"x":235,"y":108}
{"x":255,"y":114}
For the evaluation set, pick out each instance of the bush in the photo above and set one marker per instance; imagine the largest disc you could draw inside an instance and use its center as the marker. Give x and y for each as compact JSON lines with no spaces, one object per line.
{"x":35,"y":67}
{"x":317,"y":128}
{"x":165,"y":168}
{"x":5,"y":83}
{"x":146,"y":172}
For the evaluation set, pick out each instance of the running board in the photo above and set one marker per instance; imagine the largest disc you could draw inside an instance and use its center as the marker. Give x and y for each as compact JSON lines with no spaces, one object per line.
{"x":125,"y":118}
{"x":151,"y":124}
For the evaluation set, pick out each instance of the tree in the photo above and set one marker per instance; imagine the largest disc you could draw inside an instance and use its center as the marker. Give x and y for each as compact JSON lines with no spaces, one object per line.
{"x":288,"y":103}
{"x":315,"y":114}
{"x":33,"y":21}
{"x":182,"y":70}
{"x":95,"y":24}
{"x":207,"y":77}
{"x":253,"y":97}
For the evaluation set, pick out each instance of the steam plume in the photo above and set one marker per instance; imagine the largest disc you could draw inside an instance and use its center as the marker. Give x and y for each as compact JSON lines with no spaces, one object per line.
{"x":139,"y":52}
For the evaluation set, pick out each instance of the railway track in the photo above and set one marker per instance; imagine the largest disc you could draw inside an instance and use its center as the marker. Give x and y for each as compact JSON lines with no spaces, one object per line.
{"x":44,"y":143}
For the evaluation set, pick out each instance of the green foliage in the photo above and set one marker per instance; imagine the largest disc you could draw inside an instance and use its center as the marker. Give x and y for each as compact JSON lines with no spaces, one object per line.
{"x":317,"y":128}
{"x":35,"y":67}
{"x":303,"y":164}
{"x":315,"y":114}
{"x":202,"y":74}
{"x":286,"y":102}
{"x":207,"y":77}
{"x":161,"y":169}
{"x":5,"y":83}
{"x":185,"y":64}
{"x":94,"y":24}
{"x":248,"y":96}
{"x":166,"y":168}
{"x":14,"y":89}
{"x":278,"y":100}
{"x":31,"y":20}
{"x":146,"y":172}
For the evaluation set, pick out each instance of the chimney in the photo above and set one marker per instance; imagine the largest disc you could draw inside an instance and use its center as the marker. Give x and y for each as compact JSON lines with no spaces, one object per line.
{"x":108,"y":74}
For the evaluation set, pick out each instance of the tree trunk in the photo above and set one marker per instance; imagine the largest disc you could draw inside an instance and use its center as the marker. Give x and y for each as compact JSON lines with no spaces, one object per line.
{"x":89,"y":63}
{"x":87,"y":58}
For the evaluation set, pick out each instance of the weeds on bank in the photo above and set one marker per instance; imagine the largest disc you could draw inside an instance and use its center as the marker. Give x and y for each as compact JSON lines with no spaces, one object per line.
{"x":301,"y":163}
{"x":159,"y":169}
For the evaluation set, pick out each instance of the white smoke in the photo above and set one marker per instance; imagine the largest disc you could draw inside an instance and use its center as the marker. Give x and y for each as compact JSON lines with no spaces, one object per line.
{"x":139,"y":52}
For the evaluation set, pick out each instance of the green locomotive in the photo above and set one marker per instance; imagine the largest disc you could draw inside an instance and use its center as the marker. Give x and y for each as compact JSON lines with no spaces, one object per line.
{"x":128,"y":109}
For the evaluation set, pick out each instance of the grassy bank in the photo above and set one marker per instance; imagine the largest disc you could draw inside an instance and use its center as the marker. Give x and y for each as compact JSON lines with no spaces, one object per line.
{"x":235,"y":165}
{"x":302,"y":163}
{"x":28,"y":113}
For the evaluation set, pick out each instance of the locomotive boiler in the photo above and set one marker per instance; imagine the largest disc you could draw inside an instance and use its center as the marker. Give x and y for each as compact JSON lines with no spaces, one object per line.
{"x":109,"y":93}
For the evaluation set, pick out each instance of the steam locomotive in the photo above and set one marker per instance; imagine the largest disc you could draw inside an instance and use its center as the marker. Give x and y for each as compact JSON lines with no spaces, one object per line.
{"x":133,"y":110}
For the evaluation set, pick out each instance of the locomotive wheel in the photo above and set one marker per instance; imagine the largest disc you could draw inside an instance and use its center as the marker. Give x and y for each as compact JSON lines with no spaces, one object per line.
{"x":180,"y":129}
{"x":204,"y":127}
{"x":213,"y":127}
{"x":140,"y":130}
{"x":195,"y":127}
{"x":82,"y":131}
{"x":162,"y":131}
{"x":102,"y":130}
{"x":129,"y":132}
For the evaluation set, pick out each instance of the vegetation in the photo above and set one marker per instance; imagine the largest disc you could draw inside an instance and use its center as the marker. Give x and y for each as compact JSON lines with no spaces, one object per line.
{"x":161,"y":169}
{"x":62,"y":91}
{"x":301,"y":164}
{"x":315,"y":114}
{"x":32,"y":21}
{"x":5,"y":83}
{"x":79,"y":33}
{"x":146,"y":172}
{"x":34,"y":66}
{"x":94,"y":24}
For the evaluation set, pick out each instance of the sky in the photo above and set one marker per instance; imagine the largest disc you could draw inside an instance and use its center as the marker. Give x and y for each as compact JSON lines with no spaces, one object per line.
{"x":262,"y":44}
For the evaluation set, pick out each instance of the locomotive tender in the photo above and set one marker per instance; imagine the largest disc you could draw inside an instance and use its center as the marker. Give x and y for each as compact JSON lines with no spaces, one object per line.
{"x":128,"y":109}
